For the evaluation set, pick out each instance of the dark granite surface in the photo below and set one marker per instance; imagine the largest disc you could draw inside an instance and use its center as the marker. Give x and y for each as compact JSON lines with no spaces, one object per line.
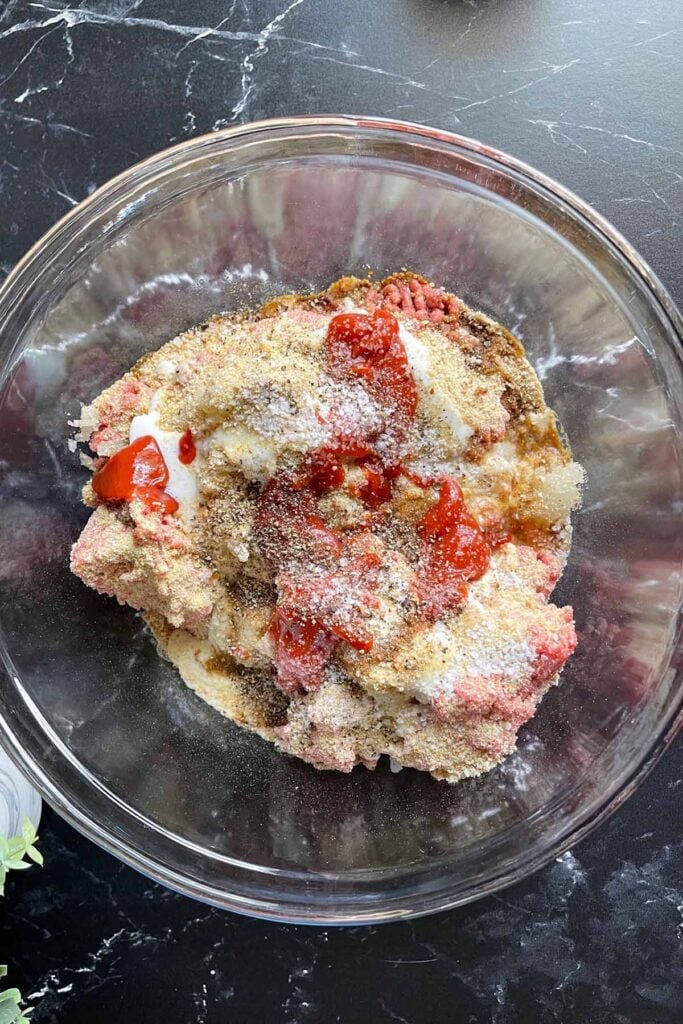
{"x":586,"y":90}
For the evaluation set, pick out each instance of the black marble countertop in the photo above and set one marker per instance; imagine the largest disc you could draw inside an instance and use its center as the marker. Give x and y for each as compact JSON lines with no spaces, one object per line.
{"x":588,"y":91}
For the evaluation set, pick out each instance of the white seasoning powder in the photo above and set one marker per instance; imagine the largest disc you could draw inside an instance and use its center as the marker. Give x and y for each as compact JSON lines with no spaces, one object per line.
{"x":487,"y":653}
{"x":283,"y":422}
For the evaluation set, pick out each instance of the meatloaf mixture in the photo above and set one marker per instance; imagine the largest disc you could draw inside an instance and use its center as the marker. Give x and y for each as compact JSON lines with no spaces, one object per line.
{"x":342,"y":516}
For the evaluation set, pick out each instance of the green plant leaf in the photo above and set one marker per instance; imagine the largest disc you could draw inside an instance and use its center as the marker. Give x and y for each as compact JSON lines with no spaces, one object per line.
{"x":9,"y":1006}
{"x":12,"y":853}
{"x":10,"y":1013}
{"x":14,"y":850}
{"x":35,"y":855}
{"x":10,"y":995}
{"x":14,"y":864}
{"x":28,"y":830}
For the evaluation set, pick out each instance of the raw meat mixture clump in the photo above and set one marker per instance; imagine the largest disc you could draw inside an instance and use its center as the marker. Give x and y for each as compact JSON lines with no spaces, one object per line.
{"x":343,"y":516}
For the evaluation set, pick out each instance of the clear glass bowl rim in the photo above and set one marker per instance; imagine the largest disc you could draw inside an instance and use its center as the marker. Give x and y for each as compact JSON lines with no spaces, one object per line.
{"x":404,"y":905}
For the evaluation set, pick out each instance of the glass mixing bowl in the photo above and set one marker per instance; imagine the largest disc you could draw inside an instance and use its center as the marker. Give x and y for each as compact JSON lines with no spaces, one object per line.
{"x":106,"y":730}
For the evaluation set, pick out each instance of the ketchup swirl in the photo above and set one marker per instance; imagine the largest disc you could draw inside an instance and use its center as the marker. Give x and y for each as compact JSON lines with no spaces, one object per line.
{"x":311,"y":560}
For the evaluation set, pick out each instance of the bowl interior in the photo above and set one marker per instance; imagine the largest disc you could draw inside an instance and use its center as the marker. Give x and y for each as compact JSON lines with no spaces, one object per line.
{"x":109,"y":726}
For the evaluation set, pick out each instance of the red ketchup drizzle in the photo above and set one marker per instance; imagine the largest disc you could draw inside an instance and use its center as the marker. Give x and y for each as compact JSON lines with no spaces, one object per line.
{"x":308,"y":623}
{"x":369,"y":347}
{"x":187,"y":450}
{"x":312,"y":562}
{"x":137,"y":471}
{"x":379,"y":480}
{"x":306,"y":635}
{"x":321,"y":471}
{"x":454,"y":551}
{"x":302,"y":650}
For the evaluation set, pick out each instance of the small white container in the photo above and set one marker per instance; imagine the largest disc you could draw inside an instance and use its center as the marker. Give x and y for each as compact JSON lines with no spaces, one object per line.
{"x":17,"y":799}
